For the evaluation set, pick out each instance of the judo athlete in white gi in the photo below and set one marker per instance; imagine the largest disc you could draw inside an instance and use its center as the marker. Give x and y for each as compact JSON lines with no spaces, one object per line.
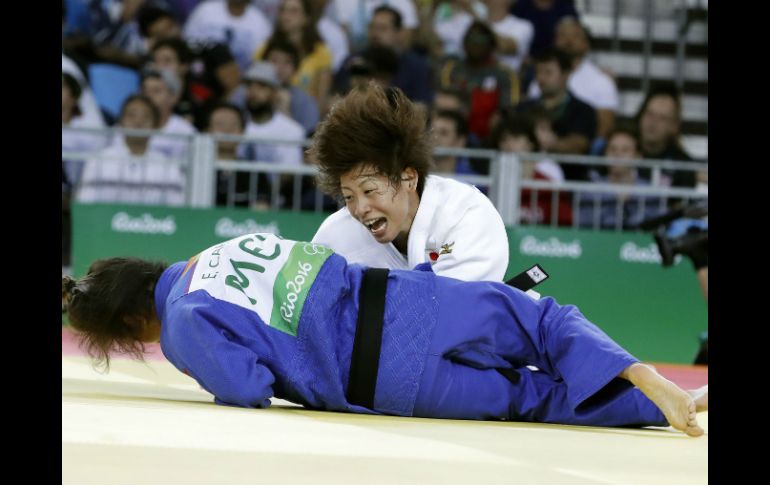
{"x":373,"y":151}
{"x":259,"y":316}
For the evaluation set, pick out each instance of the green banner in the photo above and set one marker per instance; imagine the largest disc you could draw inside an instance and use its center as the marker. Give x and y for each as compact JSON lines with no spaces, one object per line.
{"x":172,"y":234}
{"x":616,"y":279}
{"x":618,"y":282}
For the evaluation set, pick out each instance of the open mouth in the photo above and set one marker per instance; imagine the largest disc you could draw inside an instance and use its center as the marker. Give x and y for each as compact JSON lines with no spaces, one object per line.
{"x":376,"y":226}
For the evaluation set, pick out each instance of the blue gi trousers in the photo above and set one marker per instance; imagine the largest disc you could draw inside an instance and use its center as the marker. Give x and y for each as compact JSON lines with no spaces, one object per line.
{"x":482,"y":327}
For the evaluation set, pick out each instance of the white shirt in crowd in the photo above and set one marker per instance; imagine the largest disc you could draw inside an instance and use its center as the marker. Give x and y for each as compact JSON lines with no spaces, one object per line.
{"x":269,"y":8}
{"x":591,"y":85}
{"x":455,"y":221}
{"x":450,"y":26}
{"x":335,"y":39}
{"x":114,"y":175}
{"x":280,"y":127}
{"x":91,"y":114}
{"x":79,"y":142}
{"x":170,"y":146}
{"x":212,"y":21}
{"x":522,"y":32}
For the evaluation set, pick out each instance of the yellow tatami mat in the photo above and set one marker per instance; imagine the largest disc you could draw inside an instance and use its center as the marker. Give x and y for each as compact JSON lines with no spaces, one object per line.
{"x":147,"y":423}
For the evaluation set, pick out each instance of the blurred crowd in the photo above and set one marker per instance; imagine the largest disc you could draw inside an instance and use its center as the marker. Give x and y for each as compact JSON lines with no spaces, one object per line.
{"x":511,"y":75}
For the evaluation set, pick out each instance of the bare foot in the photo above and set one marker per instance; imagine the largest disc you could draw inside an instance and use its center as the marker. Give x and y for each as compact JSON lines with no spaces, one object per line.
{"x":701,"y":397}
{"x":677,"y":405}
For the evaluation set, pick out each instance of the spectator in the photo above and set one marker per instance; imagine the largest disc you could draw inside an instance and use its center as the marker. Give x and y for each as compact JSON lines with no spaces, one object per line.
{"x":72,"y":117}
{"x":332,"y":34}
{"x":265,"y":122}
{"x":587,"y":82}
{"x":514,"y":35}
{"x":182,"y":8}
{"x":108,"y":33}
{"x":88,"y":107}
{"x":164,"y":89}
{"x":129,"y":171}
{"x":376,"y":63}
{"x":573,"y":122}
{"x":207,"y":68}
{"x":488,"y":85}
{"x":450,"y":130}
{"x":292,"y":101}
{"x":355,"y":15}
{"x":234,"y":22}
{"x":234,"y":188}
{"x":413,"y":75}
{"x":544,"y":15}
{"x":450,"y":99}
{"x":659,"y":119}
{"x":269,"y":8}
{"x":515,"y":134}
{"x":200,"y":86}
{"x":619,"y":210}
{"x":451,"y":20}
{"x":155,"y":24}
{"x":297,"y":26}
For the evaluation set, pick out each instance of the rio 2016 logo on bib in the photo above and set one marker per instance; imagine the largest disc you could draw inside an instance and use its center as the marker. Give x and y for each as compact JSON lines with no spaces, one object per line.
{"x":264,"y":273}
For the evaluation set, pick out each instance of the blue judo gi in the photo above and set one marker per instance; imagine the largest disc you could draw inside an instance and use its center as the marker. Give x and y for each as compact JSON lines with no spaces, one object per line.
{"x":442,"y":341}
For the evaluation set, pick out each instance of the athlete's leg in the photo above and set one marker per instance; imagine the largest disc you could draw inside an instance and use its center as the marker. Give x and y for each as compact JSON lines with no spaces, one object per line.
{"x":456,"y":391}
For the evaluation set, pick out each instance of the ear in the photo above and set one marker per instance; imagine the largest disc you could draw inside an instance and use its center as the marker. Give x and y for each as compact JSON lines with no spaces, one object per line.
{"x":410,"y":176}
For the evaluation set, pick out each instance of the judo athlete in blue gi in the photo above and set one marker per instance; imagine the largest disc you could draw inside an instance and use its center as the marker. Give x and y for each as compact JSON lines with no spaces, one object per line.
{"x":260,"y":316}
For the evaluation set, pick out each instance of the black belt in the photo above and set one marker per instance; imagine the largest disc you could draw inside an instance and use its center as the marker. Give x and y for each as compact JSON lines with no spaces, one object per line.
{"x":365,"y":359}
{"x":528,"y":279}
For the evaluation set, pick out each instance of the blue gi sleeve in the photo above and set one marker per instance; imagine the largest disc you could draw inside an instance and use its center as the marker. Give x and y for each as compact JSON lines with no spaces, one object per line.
{"x":230,"y":371}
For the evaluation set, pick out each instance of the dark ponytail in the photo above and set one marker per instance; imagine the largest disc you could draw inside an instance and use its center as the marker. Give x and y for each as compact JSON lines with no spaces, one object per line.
{"x":98,"y":303}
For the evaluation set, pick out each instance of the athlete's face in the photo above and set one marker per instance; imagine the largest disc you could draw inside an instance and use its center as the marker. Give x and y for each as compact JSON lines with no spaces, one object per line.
{"x":372,"y":199}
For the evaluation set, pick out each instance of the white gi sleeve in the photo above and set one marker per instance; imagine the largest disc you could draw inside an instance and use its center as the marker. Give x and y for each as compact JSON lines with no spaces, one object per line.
{"x":476,"y":248}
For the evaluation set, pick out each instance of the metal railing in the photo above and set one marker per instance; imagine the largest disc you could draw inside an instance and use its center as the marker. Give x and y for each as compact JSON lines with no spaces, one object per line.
{"x":504,"y":185}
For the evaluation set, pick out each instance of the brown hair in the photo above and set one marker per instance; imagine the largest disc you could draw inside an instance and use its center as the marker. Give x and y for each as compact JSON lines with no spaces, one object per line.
{"x":664,"y":89}
{"x":377,"y":126}
{"x":310,"y":35}
{"x":97,"y":304}
{"x":626,"y":129}
{"x":147,"y":102}
{"x":515,"y":124}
